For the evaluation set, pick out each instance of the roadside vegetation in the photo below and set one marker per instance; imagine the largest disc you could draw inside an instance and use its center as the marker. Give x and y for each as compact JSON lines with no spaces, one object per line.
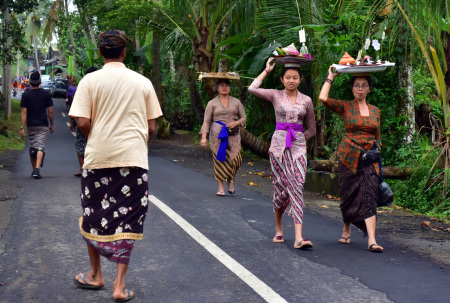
{"x":10,"y":129}
{"x":178,"y":40}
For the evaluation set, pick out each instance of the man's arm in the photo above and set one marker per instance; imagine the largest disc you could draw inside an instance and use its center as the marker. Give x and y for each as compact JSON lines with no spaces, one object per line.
{"x":23,"y":118}
{"x":84,"y":125}
{"x":50,"y":117}
{"x":151,"y":127}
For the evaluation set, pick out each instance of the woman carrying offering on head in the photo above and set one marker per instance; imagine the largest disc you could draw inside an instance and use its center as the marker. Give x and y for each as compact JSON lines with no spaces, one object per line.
{"x":223,"y":117}
{"x":288,"y":147}
{"x":358,"y":180}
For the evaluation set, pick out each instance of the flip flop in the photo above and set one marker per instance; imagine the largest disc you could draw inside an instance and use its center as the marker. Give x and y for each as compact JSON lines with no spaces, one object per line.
{"x":77,"y":174}
{"x":85,"y":285}
{"x":372,"y":249}
{"x":125,"y":299}
{"x":220,"y":193}
{"x":305,"y":243}
{"x":232,"y":192}
{"x":345,"y":239}
{"x":278,"y":239}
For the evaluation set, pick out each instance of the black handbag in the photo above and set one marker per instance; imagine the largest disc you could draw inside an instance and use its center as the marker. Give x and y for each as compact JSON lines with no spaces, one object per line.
{"x":385,"y":194}
{"x":233,"y":131}
{"x":372,"y":155}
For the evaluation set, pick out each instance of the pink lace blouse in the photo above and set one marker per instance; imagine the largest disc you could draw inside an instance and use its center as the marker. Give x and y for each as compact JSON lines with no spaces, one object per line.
{"x":215,"y":111}
{"x":286,"y":113}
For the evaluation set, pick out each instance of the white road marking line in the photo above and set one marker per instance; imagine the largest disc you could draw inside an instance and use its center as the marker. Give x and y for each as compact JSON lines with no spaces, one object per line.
{"x":68,"y":124}
{"x":63,"y":114}
{"x":74,"y":134}
{"x":256,"y":284}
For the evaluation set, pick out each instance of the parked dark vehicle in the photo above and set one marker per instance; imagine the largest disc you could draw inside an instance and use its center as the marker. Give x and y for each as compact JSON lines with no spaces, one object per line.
{"x":60,"y":88}
{"x":47,"y":86}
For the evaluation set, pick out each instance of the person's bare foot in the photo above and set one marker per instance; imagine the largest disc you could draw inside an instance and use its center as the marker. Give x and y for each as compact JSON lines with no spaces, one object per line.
{"x":121,"y":294}
{"x":374,"y":247}
{"x":345,"y":240}
{"x":89,"y":280}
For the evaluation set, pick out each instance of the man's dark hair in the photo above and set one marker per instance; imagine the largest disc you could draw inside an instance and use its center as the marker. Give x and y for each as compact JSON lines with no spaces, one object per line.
{"x":111,"y":53}
{"x":35,"y":78}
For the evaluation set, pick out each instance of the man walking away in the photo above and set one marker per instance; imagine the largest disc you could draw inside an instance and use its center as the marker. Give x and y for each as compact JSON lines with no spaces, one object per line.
{"x":35,"y":104}
{"x":116,"y":109}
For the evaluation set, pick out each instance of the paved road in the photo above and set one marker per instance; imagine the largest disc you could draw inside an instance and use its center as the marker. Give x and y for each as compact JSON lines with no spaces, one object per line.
{"x":197,"y":247}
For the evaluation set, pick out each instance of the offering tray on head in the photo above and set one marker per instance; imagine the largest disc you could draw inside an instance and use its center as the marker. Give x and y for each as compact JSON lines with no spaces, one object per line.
{"x":362,"y":67}
{"x":293,"y":59}
{"x":219,"y":75}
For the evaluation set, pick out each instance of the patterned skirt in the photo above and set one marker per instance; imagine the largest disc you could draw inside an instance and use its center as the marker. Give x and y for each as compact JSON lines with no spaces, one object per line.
{"x":359,"y":194}
{"x":80,"y":143}
{"x":288,"y":181}
{"x":228,"y":169}
{"x":115,"y":203}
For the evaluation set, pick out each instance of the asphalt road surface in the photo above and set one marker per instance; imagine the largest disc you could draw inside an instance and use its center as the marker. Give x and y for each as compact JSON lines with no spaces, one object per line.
{"x":197,"y":247}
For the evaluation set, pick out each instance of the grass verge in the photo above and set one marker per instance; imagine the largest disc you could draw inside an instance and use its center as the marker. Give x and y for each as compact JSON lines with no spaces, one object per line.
{"x":10,"y":129}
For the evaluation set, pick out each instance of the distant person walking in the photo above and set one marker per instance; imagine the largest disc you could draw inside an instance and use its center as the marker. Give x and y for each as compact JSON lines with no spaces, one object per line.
{"x":71,"y":90}
{"x":223,"y":117}
{"x":81,"y":140}
{"x":36,"y":103}
{"x":116,"y":109}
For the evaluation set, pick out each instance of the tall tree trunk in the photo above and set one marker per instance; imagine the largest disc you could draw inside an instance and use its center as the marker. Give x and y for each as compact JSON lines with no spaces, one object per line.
{"x":138,"y":47}
{"x":91,"y":33}
{"x":18,"y":65}
{"x":36,"y":51}
{"x":6,"y":75}
{"x":196,"y":100}
{"x":406,"y":103}
{"x":74,"y":53}
{"x":171,"y":65}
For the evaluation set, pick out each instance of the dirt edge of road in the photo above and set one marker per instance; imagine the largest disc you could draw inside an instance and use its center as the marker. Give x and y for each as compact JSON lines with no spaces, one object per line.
{"x":424,"y":235}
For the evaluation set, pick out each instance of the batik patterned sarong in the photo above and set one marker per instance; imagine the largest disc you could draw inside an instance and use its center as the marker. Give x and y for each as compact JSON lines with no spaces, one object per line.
{"x":224,"y":170}
{"x":288,"y":181}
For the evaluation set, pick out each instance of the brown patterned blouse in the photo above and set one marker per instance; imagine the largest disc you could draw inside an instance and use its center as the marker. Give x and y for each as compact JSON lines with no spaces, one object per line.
{"x":364,"y":130}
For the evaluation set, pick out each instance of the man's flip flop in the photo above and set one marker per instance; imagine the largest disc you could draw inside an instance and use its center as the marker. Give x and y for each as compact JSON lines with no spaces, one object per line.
{"x":375,"y":249}
{"x":85,"y":285}
{"x":345,"y":240}
{"x":125,"y":299}
{"x":305,"y":243}
{"x":278,"y":239}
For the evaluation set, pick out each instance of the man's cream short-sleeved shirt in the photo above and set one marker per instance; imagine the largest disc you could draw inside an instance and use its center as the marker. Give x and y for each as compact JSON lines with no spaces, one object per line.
{"x":119,"y":102}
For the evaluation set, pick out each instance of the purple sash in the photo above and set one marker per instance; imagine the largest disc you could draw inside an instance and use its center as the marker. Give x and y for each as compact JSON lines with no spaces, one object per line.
{"x":291,"y":128}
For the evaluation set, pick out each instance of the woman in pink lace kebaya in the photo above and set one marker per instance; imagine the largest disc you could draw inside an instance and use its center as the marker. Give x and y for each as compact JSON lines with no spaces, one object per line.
{"x":288,"y":147}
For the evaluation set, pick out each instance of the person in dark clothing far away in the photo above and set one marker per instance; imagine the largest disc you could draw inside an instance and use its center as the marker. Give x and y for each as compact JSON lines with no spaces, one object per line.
{"x":37,"y":110}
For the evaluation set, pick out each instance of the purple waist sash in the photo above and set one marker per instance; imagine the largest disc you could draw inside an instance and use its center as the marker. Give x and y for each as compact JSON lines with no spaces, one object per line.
{"x":291,"y":128}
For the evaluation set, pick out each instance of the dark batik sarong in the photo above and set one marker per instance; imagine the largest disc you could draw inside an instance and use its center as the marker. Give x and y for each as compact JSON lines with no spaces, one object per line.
{"x":116,"y":251}
{"x":228,"y":169}
{"x":115,"y":203}
{"x":288,"y":181}
{"x":359,"y":193}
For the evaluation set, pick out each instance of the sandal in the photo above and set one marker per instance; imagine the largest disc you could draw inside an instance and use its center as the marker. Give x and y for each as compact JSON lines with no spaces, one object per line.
{"x":77,"y":174}
{"x":278,"y":239}
{"x":220,"y":193}
{"x":346,"y":240}
{"x":378,"y":249}
{"x":305,"y":243}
